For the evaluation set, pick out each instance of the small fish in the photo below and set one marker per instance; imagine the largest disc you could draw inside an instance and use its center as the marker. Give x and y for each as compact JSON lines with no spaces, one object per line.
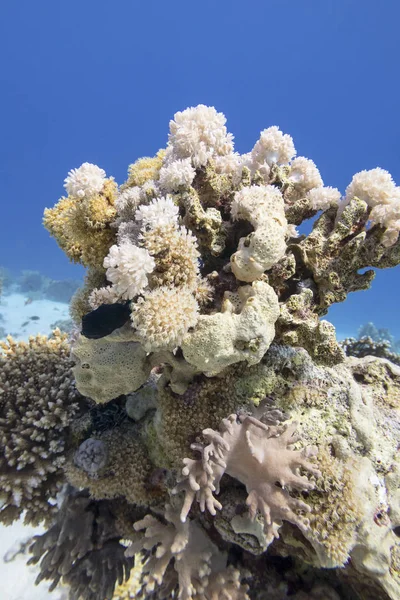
{"x":34,"y":318}
{"x":104,"y":320}
{"x":28,"y":301}
{"x":25,"y":324}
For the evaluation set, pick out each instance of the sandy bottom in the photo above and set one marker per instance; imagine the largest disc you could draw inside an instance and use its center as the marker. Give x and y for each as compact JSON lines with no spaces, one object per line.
{"x":22,"y":320}
{"x":17,"y":580}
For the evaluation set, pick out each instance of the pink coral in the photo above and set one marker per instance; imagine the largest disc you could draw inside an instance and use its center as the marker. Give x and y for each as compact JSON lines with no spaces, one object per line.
{"x":260,"y":457}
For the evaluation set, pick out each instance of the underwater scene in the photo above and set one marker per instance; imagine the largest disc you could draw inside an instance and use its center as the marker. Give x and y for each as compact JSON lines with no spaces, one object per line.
{"x":199,"y":300}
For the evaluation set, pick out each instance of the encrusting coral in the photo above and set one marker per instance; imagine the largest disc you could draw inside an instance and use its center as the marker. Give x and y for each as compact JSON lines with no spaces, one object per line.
{"x":207,"y":370}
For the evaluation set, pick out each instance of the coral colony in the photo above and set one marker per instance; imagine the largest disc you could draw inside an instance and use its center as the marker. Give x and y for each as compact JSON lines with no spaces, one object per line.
{"x":202,"y":435}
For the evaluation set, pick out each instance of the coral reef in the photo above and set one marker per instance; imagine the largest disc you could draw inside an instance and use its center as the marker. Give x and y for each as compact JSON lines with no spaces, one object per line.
{"x":227,"y":443}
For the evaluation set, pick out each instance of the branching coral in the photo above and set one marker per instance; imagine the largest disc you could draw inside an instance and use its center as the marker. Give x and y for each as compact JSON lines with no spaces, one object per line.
{"x":37,"y":403}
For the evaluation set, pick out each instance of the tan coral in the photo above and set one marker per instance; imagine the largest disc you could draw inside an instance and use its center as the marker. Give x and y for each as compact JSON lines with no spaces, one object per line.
{"x":201,"y":572}
{"x":336,"y":512}
{"x":37,"y":404}
{"x":162,"y":317}
{"x":258,"y":456}
{"x":125,"y":473}
{"x":174,"y":250}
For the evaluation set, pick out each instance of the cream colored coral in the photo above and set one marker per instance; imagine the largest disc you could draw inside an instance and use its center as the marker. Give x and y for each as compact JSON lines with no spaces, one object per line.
{"x":322,"y":198}
{"x":176,"y":174}
{"x":263,"y":207}
{"x":258,"y":456}
{"x":107,"y":368}
{"x":375,"y":186}
{"x":161,"y":211}
{"x":162,"y":317}
{"x":243,"y":331}
{"x":86,"y":181}
{"x":257,"y":204}
{"x":304,"y":175}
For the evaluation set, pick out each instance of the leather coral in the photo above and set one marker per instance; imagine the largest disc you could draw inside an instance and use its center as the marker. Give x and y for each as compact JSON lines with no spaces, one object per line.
{"x":262,"y":458}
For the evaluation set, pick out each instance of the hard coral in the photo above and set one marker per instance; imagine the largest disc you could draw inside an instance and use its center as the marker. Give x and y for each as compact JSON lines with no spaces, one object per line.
{"x":243,"y":330}
{"x":120,"y":468}
{"x":37,"y":404}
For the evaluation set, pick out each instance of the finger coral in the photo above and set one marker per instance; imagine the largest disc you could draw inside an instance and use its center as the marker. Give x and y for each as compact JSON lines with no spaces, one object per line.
{"x":37,"y":403}
{"x":199,"y":337}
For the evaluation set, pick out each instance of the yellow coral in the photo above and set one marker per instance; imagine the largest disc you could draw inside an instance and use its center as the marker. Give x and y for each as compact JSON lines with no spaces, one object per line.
{"x":130,"y":589}
{"x":144,"y":169}
{"x":82,"y":228}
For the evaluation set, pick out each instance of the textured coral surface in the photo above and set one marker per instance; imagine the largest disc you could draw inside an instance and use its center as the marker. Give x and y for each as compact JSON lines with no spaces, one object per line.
{"x":223,"y":446}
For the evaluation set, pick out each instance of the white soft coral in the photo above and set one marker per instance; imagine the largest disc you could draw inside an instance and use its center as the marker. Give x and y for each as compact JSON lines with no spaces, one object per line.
{"x":273,"y":147}
{"x":86,"y":181}
{"x":161,"y":211}
{"x":176,"y":174}
{"x":377,"y":188}
{"x":127,"y":269}
{"x":199,"y":133}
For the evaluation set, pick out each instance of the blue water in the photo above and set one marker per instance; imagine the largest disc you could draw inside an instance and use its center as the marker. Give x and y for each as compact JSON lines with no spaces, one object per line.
{"x":99,"y":81}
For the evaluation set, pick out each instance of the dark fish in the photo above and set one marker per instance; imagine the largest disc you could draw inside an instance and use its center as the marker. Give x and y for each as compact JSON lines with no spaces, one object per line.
{"x":104,"y":320}
{"x":25,"y":324}
{"x":34,"y":318}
